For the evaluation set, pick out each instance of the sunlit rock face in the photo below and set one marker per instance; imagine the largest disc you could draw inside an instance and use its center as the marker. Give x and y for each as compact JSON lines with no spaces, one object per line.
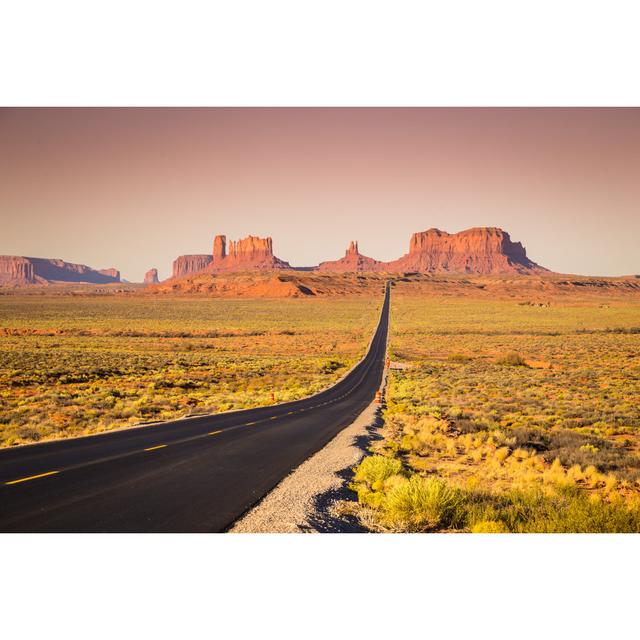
{"x":248,"y":254}
{"x":482,"y":250}
{"x":186,"y":265}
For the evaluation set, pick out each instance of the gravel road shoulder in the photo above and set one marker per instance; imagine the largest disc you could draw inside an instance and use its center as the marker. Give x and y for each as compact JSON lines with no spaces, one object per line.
{"x":306,"y":500}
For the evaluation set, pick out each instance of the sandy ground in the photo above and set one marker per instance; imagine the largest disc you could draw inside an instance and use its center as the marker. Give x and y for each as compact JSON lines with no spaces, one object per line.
{"x":304,"y":500}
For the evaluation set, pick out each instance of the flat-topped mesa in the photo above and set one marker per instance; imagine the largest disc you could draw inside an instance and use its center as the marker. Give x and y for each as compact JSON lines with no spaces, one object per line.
{"x":248,"y":254}
{"x":17,"y":271}
{"x":186,"y":265}
{"x":23,"y":270}
{"x":483,"y":250}
{"x":111,"y":273}
{"x":56,"y":270}
{"x":353,"y":261}
{"x":151,"y":277}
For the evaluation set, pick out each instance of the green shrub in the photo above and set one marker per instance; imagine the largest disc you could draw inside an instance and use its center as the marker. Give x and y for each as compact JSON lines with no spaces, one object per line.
{"x":374,"y":470}
{"x":459,"y":357}
{"x":469,"y":426}
{"x":574,"y":512}
{"x":513,"y":359}
{"x":332,"y":365}
{"x":573,"y":448}
{"x":568,"y":512}
{"x":489,"y":526}
{"x":423,"y":504}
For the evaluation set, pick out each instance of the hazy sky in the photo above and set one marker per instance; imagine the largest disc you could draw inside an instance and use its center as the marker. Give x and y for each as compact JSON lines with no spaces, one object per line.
{"x":134,"y":188}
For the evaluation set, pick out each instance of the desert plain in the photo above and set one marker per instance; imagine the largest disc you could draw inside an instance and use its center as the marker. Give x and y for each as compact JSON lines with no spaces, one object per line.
{"x":512,"y":402}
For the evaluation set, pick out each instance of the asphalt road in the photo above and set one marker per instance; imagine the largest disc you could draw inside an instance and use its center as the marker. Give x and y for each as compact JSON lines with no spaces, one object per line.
{"x":194,"y":475}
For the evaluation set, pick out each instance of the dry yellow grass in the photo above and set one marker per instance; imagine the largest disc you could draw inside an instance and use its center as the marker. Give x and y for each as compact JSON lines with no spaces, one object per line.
{"x":531,"y":412}
{"x":78,"y":365}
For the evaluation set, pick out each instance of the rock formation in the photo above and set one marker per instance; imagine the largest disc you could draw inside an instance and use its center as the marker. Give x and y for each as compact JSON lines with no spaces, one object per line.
{"x":186,"y":265}
{"x":219,"y":248}
{"x":16,"y":270}
{"x":248,"y":254}
{"x":112,"y":273}
{"x":21,"y":270}
{"x":481,"y":250}
{"x":353,"y":261}
{"x":55,"y":270}
{"x":151,"y":277}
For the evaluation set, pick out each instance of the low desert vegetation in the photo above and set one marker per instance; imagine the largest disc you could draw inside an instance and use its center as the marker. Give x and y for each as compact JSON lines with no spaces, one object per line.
{"x":507,"y":418}
{"x":78,"y":365}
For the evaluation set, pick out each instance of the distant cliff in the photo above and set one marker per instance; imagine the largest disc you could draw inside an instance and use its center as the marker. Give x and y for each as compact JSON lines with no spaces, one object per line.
{"x":481,"y":250}
{"x":248,"y":254}
{"x":21,"y":270}
{"x":186,"y":265}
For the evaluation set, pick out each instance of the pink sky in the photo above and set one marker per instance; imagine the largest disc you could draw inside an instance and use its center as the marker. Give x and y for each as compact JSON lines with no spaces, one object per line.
{"x":134,"y":188}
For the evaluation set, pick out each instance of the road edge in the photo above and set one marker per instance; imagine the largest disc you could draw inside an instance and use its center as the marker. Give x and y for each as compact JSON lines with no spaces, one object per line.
{"x":302,"y":501}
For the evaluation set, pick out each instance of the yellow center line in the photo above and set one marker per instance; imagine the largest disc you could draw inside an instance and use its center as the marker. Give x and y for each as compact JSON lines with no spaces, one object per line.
{"x":214,"y":433}
{"x":40,"y":475}
{"x":290,"y":413}
{"x":160,"y":446}
{"x":248,"y":424}
{"x":274,"y":417}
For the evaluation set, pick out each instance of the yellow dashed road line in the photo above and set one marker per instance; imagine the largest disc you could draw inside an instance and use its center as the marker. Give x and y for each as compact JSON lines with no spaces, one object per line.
{"x":160,"y":446}
{"x":40,"y":475}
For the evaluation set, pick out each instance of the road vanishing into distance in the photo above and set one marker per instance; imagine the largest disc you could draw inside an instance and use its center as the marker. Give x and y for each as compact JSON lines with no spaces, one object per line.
{"x":192,"y":475}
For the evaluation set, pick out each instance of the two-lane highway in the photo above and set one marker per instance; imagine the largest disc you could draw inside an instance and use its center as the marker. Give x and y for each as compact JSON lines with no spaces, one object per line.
{"x":194,"y":475}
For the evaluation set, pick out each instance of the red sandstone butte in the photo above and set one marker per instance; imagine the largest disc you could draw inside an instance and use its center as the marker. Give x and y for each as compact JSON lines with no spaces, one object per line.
{"x":151,"y":277}
{"x":22,"y":270}
{"x":353,"y":261}
{"x":248,"y":254}
{"x":16,"y":270}
{"x":481,"y":250}
{"x":186,"y":265}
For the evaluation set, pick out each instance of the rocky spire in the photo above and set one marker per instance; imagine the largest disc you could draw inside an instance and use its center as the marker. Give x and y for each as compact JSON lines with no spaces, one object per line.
{"x":219,"y":248}
{"x":151,"y":277}
{"x":353,"y":249}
